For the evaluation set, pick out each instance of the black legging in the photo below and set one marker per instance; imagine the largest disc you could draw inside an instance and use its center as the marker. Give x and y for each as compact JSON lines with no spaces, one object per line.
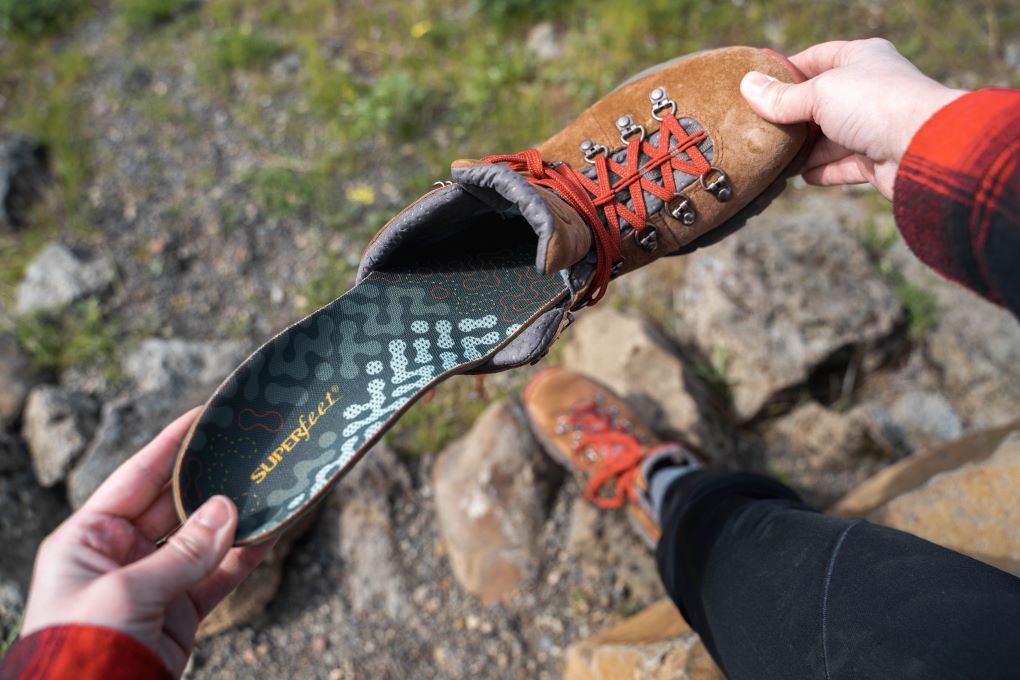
{"x":779,"y":590}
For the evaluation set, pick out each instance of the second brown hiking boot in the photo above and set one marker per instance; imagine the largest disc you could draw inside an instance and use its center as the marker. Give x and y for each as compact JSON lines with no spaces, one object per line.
{"x":603,"y":441}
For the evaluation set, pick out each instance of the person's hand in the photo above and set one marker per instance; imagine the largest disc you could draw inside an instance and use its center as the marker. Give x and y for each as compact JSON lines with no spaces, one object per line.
{"x":868,"y":101}
{"x":102,"y":566}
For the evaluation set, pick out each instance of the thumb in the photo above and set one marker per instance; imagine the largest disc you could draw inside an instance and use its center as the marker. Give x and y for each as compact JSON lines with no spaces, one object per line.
{"x":776,"y":101}
{"x":191,"y":554}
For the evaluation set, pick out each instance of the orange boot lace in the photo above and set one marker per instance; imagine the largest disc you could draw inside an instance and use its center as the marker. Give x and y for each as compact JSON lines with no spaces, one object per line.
{"x":607,"y":450}
{"x":588,"y":196}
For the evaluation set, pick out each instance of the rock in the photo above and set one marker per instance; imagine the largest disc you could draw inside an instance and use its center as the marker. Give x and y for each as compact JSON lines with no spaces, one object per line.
{"x":24,"y":173}
{"x":543,"y":43}
{"x":169,"y":366}
{"x":914,"y":421}
{"x":251,"y":598}
{"x":367,"y":544}
{"x":972,"y":509}
{"x":126,"y":424}
{"x":58,"y":276}
{"x":57,"y":426}
{"x":822,"y":454}
{"x":778,"y":299}
{"x":961,"y":494}
{"x":16,"y":378}
{"x":912,"y":472}
{"x":654,"y":644}
{"x":582,"y":528}
{"x":974,"y":344}
{"x":12,"y":603}
{"x":492,"y":489}
{"x":30,"y":512}
{"x":12,"y":454}
{"x":627,"y":354}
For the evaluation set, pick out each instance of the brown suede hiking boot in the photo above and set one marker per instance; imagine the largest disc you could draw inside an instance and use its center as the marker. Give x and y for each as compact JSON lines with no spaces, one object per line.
{"x":671,"y":160}
{"x":603,"y":441}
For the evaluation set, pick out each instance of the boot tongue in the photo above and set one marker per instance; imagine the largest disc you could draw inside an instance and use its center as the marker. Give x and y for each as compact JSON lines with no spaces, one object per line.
{"x":563,"y":237}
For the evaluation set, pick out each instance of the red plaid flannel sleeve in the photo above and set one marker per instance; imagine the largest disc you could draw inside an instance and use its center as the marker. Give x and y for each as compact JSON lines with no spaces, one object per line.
{"x":956,"y":194}
{"x":81,"y":653}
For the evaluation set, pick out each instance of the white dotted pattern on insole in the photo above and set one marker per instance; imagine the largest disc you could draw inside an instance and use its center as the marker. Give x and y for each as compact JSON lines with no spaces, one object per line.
{"x":422,"y":355}
{"x":444,"y":328}
{"x":359,"y":431}
{"x":468,"y":325}
{"x":470,"y":344}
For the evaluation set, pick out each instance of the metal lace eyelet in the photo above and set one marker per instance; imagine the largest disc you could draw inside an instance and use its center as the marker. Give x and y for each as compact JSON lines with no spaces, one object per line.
{"x":648,"y":239}
{"x":591,"y":149}
{"x":719,"y":187}
{"x":615,"y":270}
{"x":442,"y":183}
{"x":627,"y":127}
{"x":660,"y":101}
{"x":683,"y":211}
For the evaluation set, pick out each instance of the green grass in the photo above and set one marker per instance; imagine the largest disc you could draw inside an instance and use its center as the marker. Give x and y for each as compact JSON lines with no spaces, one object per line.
{"x":920,"y":305}
{"x":16,"y":252}
{"x":245,"y":48}
{"x":879,"y":235}
{"x":436,"y":420}
{"x":317,"y":196}
{"x":714,"y":372}
{"x":922,"y":309}
{"x":288,"y":192}
{"x":81,"y":336}
{"x":148,"y":14}
{"x":333,"y":280}
{"x":49,"y":107}
{"x":29,"y":19}
{"x":6,"y":643}
{"x":46,"y":103}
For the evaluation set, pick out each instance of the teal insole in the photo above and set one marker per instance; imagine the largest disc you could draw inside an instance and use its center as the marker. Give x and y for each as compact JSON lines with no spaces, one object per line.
{"x":299,"y":413}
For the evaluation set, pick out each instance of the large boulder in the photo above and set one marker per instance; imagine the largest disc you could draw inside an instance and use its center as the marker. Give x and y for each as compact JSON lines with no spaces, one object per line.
{"x":24,"y":173}
{"x":59,"y":276}
{"x":655,"y":644}
{"x":913,"y":471}
{"x":915,"y":420}
{"x":58,"y":424}
{"x":778,"y":299}
{"x":172,"y":376}
{"x":822,"y":453}
{"x":16,"y":378}
{"x":126,"y":424}
{"x":630,"y":356}
{"x":973,"y":344}
{"x":972,"y":509}
{"x":961,"y":495}
{"x":170,"y":366}
{"x":492,"y":490}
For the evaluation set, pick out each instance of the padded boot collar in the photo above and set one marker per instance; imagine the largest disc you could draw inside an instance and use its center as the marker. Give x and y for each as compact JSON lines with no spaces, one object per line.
{"x":564,"y":240}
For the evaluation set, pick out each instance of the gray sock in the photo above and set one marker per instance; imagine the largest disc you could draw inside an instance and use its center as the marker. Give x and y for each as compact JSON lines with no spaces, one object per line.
{"x":660,"y":481}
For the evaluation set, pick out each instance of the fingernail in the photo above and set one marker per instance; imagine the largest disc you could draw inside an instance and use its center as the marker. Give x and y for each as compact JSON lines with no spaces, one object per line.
{"x":214,"y":513}
{"x":755,"y":82}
